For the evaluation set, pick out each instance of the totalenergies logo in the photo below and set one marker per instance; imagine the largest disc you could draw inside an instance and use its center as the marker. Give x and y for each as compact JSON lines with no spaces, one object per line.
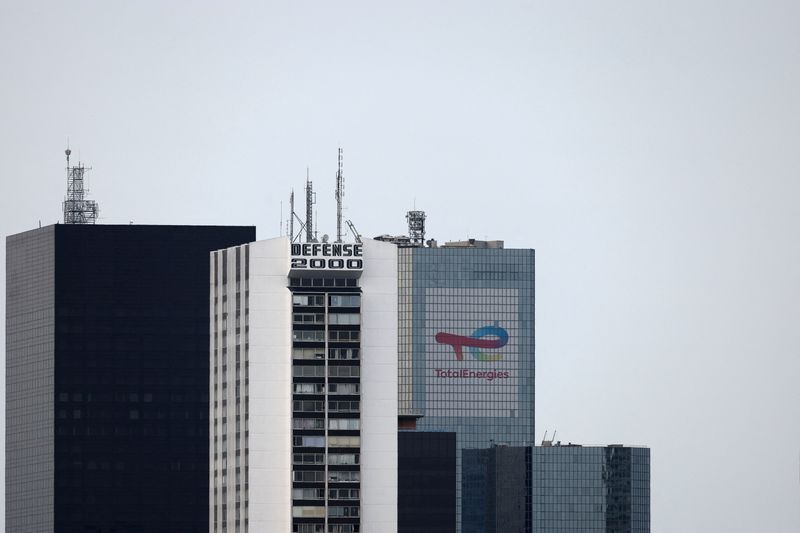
{"x":475,"y":342}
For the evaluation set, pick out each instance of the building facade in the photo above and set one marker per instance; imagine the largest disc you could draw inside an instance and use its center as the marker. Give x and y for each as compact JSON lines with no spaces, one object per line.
{"x":426,"y":497}
{"x":496,"y":494}
{"x":591,"y":489}
{"x":466,"y":346}
{"x":304,"y":388}
{"x":107,"y":377}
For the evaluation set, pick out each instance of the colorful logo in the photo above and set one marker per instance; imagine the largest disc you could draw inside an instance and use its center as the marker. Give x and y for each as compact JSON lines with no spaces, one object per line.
{"x":475,"y":341}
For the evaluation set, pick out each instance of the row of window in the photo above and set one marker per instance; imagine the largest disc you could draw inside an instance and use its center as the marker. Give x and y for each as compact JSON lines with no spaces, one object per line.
{"x":333,"y":371}
{"x":319,"y":388}
{"x":319,"y":423}
{"x":315,"y":511}
{"x":319,"y":494}
{"x":317,"y":406}
{"x":318,"y":300}
{"x":308,"y":528}
{"x":319,"y":353}
{"x":319,"y":336}
{"x":348,"y":319}
{"x":320,"y":528}
{"x":334,"y":476}
{"x":334,"y":441}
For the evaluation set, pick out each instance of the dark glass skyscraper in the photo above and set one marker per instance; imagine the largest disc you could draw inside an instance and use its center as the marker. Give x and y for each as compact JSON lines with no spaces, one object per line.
{"x":496,"y":490}
{"x":466,"y":346}
{"x":426,"y":485}
{"x":107,"y":364}
{"x":591,"y":489}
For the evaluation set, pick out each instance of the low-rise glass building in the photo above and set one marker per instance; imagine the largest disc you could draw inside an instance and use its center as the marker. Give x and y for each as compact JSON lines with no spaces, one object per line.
{"x":591,"y":489}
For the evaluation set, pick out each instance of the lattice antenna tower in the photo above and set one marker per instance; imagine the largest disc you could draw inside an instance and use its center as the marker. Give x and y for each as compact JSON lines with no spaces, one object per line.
{"x":339,"y":197}
{"x":294,"y":237}
{"x":311,"y":199}
{"x":77,"y":209}
{"x":416,"y":227}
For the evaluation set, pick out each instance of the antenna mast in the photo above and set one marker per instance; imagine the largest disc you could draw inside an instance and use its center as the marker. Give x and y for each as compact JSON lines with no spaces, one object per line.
{"x":77,"y":209}
{"x":291,"y":216}
{"x":309,"y":209}
{"x":339,"y":196}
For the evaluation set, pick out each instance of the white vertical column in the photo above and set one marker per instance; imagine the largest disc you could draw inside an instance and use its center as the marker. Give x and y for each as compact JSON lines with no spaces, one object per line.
{"x":379,"y":388}
{"x":270,"y":369}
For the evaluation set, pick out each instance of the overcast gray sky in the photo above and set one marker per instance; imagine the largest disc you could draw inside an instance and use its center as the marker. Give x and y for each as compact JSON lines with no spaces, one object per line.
{"x":647,"y":150}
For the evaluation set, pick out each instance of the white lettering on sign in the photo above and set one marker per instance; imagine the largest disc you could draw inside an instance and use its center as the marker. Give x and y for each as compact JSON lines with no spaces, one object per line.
{"x":326,"y":256}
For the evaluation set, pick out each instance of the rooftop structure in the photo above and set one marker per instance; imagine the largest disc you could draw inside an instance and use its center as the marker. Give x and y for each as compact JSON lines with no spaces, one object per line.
{"x":77,"y":209}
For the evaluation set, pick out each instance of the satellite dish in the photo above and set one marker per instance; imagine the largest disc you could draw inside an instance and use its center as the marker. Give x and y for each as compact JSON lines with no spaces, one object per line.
{"x":325,"y":237}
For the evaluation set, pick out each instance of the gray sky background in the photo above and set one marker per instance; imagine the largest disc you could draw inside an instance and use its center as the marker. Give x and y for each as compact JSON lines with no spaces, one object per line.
{"x":647,"y":150}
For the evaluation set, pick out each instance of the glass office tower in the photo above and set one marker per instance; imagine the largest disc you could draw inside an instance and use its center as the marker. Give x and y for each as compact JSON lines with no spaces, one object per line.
{"x":595,"y":489}
{"x":466,"y":346}
{"x":107,"y":377}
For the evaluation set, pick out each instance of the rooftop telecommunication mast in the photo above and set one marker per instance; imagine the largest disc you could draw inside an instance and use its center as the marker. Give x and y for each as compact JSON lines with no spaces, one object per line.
{"x":77,"y":209}
{"x":310,"y":201}
{"x":339,"y":197}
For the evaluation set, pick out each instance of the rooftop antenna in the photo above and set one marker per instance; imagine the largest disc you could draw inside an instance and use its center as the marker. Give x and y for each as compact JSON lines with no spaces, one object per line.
{"x":353,"y":230}
{"x":294,"y":237}
{"x":291,"y":216}
{"x":77,"y":209}
{"x":310,"y":201}
{"x":416,"y":227}
{"x":339,"y":196}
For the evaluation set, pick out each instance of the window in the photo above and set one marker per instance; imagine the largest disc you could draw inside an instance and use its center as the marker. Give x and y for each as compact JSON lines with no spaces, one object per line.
{"x":308,"y":458}
{"x":345,"y":300}
{"x":309,"y":528}
{"x":308,"y":388}
{"x":308,"y":476}
{"x":344,"y":423}
{"x":308,"y":318}
{"x":311,"y":441}
{"x":343,"y":406}
{"x":308,"y":353}
{"x":308,"y":336}
{"x":338,"y":511}
{"x":343,"y":528}
{"x":344,"y":371}
{"x":344,"y":494}
{"x":307,"y":406}
{"x":343,"y":353}
{"x":308,"y":371}
{"x":308,"y":423}
{"x":343,"y":477}
{"x":310,"y":494}
{"x":335,"y":441}
{"x":308,"y":300}
{"x":344,"y":336}
{"x":343,"y":458}
{"x":349,"y":319}
{"x":308,"y":511}
{"x":343,"y":388}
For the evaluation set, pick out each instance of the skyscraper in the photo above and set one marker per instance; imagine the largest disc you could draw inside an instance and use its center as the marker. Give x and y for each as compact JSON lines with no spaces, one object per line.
{"x":466,"y":345}
{"x":304,"y":387}
{"x":426,"y":490}
{"x":594,"y":489}
{"x":107,"y":377}
{"x":496,"y":495}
